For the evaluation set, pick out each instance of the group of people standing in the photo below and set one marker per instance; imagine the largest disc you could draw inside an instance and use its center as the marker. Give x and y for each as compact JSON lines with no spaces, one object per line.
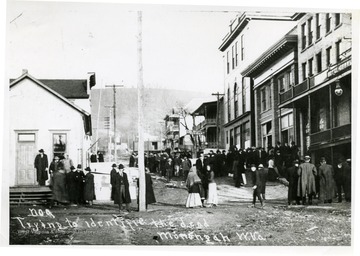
{"x":120,"y":192}
{"x":332,"y":181}
{"x":69,"y":185}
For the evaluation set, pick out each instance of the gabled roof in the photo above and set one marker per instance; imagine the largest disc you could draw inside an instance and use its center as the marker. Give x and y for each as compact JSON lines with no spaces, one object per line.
{"x":14,"y":82}
{"x":69,"y":88}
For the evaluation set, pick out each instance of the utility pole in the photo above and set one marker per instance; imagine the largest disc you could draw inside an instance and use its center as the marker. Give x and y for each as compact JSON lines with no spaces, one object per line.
{"x":140,"y":89}
{"x":114,"y":112}
{"x":108,"y":128}
{"x":217,"y":117}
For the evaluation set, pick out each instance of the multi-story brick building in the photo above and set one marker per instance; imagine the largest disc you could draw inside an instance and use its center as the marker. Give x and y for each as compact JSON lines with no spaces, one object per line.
{"x":250,"y":35}
{"x":273,"y":72}
{"x":322,"y":98}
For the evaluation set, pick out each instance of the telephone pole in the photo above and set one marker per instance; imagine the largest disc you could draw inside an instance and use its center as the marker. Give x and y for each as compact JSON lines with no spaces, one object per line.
{"x":140,"y":89}
{"x":217,"y":117}
{"x":114,"y":111}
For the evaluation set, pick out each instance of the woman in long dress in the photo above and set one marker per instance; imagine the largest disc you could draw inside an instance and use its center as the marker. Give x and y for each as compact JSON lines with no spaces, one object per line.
{"x":212,"y":199}
{"x":193,"y":184}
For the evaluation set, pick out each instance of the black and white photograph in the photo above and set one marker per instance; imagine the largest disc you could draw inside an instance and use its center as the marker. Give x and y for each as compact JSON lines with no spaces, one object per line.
{"x":180,"y":125}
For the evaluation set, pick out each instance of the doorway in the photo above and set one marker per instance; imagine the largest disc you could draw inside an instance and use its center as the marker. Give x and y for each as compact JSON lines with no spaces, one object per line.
{"x":25,"y":156}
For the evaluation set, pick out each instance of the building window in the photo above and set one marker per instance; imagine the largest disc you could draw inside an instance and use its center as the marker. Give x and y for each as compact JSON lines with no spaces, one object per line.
{"x":26,"y":137}
{"x":318,"y":62}
{"x":310,"y":32}
{"x":318,"y":26}
{"x":304,"y":71}
{"x":237,"y":135}
{"x":303,"y":36}
{"x":287,"y":131}
{"x":267,"y":135}
{"x":59,"y":144}
{"x":229,"y":107}
{"x":236,"y":54}
{"x":227,"y":137}
{"x":243,"y":98}
{"x":337,"y":48}
{"x":311,"y":67}
{"x":337,"y":19}
{"x":227,"y":63}
{"x":328,"y":56}
{"x":235,"y":100}
{"x":232,"y":57}
{"x":328,"y":22}
{"x":245,"y":130}
{"x":242,"y":47}
{"x":263,"y":99}
{"x":320,"y":111}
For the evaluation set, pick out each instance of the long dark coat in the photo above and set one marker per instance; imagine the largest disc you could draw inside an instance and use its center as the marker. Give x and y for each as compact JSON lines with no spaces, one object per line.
{"x":60,"y":192}
{"x":89,"y":187}
{"x":71,"y":185}
{"x":79,"y":181}
{"x":41,"y":163}
{"x":292,"y":178}
{"x":112,"y":182}
{"x":306,"y":182}
{"x":117,"y":184}
{"x":149,"y":196}
{"x":327,"y":183}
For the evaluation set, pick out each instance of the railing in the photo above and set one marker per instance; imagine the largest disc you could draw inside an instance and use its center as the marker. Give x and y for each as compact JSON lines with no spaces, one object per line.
{"x":341,"y":131}
{"x":300,"y":88}
{"x":287,"y":95}
{"x":331,"y":134}
{"x":319,"y":137}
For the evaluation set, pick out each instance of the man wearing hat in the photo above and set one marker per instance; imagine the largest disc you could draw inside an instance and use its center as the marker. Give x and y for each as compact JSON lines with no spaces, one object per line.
{"x":41,"y":165}
{"x":121,"y":184}
{"x":112,"y":180}
{"x":262,"y":179}
{"x":292,"y":177}
{"x":327,"y":183}
{"x":79,"y":181}
{"x":306,"y":183}
{"x":71,"y":184}
{"x":89,"y":186}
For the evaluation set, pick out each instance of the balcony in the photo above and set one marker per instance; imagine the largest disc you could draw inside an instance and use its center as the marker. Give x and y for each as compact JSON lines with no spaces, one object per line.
{"x":172,"y":128}
{"x":331,"y":134}
{"x":301,"y":88}
{"x":206,"y":122}
{"x":285,"y":96}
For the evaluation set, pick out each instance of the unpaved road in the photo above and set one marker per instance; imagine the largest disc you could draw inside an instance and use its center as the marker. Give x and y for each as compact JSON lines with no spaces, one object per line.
{"x":168,"y":222}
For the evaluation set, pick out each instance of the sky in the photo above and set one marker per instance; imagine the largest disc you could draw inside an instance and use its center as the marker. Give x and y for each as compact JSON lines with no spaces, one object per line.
{"x":68,"y":40}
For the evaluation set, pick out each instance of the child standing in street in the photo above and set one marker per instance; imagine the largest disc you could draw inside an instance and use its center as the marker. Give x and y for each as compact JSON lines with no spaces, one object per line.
{"x":256,"y":186}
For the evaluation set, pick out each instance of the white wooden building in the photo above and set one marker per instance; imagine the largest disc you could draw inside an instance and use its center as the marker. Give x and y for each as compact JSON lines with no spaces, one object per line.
{"x":42,"y":112}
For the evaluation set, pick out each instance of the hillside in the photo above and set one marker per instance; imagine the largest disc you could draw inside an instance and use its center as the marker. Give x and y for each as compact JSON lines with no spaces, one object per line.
{"x":158,"y":103}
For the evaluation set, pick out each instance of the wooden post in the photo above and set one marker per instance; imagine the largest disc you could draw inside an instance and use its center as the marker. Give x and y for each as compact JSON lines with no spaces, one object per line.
{"x":140,"y":90}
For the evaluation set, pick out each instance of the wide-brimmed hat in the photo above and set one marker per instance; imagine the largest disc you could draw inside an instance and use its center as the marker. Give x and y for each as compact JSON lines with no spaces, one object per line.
{"x":121,"y":166}
{"x":113,"y":165}
{"x":78,"y":166}
{"x":261,"y":166}
{"x":307,"y":157}
{"x":88,"y":169}
{"x":72,"y":168}
{"x":41,"y":151}
{"x":296,"y":161}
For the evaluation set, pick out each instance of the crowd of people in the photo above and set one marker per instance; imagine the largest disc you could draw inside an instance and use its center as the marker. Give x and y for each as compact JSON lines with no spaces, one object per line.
{"x":69,"y":185}
{"x":304,"y":179}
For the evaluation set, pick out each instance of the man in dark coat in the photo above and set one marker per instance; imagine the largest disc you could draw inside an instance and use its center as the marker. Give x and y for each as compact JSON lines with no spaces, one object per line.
{"x":59,"y":189}
{"x":327,"y":183}
{"x":112,"y":180}
{"x":149,"y":192}
{"x":257,"y":185}
{"x":343,"y":180}
{"x":306,"y":183}
{"x":71,"y":185}
{"x":122,"y":193}
{"x":201,"y":169}
{"x":292,"y":177}
{"x":132,"y":160}
{"x":41,"y":164}
{"x":89,"y":186}
{"x":79,"y":181}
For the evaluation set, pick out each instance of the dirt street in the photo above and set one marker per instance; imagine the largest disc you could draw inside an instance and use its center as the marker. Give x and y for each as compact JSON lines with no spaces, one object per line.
{"x":168,"y":222}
